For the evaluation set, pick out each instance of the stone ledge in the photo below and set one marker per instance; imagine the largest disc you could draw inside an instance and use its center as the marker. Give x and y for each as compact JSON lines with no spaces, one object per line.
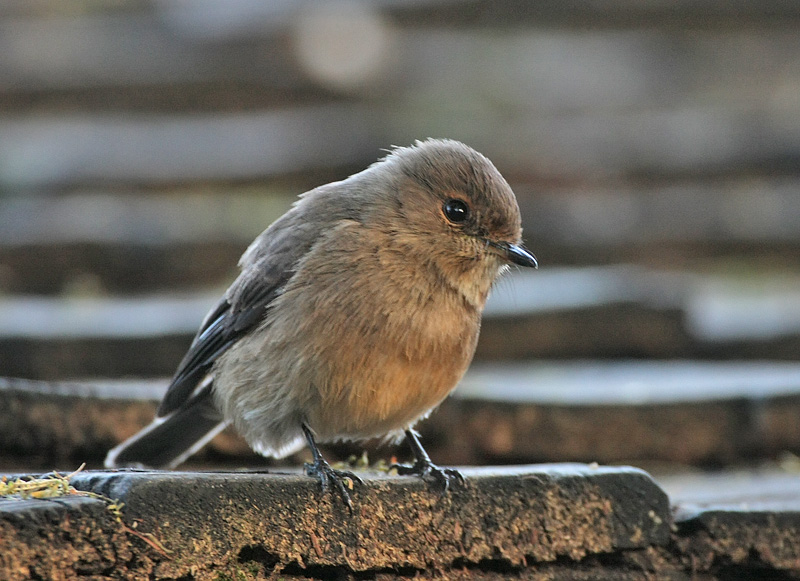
{"x":626,"y":412}
{"x":738,"y":519}
{"x":217,"y":524}
{"x":744,"y":539}
{"x":61,"y":538}
{"x":556,"y":522}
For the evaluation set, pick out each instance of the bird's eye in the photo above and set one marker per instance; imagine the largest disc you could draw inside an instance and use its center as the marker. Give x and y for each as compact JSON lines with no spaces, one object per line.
{"x":456,"y":210}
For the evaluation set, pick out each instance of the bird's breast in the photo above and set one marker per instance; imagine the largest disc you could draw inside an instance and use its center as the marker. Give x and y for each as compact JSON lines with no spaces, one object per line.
{"x":389,"y":351}
{"x":389,"y":380}
{"x":361,"y":342}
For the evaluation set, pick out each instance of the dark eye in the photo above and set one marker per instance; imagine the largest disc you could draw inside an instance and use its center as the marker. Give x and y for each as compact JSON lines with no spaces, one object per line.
{"x":456,"y":210}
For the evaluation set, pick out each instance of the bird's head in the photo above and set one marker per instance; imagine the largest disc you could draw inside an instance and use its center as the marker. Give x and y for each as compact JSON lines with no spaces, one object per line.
{"x":448,"y":205}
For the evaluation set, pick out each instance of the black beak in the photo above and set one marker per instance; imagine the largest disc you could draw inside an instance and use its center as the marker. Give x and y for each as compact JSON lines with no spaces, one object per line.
{"x":516,"y":254}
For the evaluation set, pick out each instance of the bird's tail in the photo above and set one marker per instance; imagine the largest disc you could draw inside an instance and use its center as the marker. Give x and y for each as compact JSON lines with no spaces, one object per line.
{"x":170,"y":440}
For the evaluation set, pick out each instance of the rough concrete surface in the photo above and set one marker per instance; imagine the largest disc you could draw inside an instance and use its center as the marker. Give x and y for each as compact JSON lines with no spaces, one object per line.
{"x":547,"y":522}
{"x":63,"y":424}
{"x":729,"y":540}
{"x":63,"y":538}
{"x":739,"y":520}
{"x":247,"y":525}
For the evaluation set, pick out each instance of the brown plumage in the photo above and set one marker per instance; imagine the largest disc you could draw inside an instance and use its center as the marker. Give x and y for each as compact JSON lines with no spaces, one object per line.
{"x":354,"y":315}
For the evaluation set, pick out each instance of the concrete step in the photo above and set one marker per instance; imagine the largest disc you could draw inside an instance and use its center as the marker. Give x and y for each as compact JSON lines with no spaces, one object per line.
{"x":746,"y":516}
{"x":158,"y":240}
{"x":601,"y":312}
{"x":254,"y":95}
{"x":680,"y":413}
{"x":506,"y":520}
{"x":559,"y":521}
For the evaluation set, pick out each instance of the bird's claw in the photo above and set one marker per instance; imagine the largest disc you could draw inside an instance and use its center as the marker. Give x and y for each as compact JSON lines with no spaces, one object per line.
{"x":328,"y":476}
{"x":432,"y":473}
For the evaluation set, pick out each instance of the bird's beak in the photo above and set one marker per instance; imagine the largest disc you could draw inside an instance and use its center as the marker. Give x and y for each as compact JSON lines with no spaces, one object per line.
{"x":515,"y":253}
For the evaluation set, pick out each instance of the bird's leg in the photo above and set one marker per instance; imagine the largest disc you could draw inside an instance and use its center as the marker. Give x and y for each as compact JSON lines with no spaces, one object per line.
{"x":327,"y":475}
{"x":424,"y":468}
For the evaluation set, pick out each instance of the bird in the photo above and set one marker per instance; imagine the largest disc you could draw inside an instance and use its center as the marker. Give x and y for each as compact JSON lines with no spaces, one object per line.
{"x":354,"y":315}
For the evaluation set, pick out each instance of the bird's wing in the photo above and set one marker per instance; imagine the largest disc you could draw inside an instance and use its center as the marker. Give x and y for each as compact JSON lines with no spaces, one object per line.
{"x":243,"y":307}
{"x":267,"y":265}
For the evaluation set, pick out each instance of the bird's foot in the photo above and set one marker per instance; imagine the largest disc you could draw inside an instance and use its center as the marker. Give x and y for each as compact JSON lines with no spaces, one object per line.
{"x":430,"y":472}
{"x":342,"y":480}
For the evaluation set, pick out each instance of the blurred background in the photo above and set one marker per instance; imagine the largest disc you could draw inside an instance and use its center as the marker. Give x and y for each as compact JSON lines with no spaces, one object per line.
{"x":654,"y":148}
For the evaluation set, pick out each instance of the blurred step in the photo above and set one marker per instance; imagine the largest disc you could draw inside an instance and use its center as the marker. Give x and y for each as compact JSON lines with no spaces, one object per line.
{"x":681,"y":412}
{"x":758,"y":491}
{"x":256,"y":18}
{"x":600,"y":312}
{"x":277,"y":50}
{"x":675,"y":412}
{"x":54,"y":151}
{"x":739,"y":518}
{"x":587,"y":104}
{"x":137,"y":240}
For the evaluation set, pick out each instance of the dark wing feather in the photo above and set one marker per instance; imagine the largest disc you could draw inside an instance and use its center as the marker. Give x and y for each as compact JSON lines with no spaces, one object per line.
{"x":266,"y":267}
{"x":242,"y":309}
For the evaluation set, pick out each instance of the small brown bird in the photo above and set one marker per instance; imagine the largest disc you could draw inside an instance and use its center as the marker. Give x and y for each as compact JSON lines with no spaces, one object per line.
{"x":355,"y":314}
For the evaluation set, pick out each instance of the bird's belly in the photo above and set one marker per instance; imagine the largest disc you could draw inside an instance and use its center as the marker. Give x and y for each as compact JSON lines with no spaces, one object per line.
{"x":358,"y":372}
{"x":387,"y":395}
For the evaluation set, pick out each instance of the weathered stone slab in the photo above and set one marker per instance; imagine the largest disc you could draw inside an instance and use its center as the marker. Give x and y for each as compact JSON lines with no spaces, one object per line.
{"x":682,"y":412}
{"x":585,"y":103}
{"x":64,"y":424}
{"x":61,"y":538}
{"x":733,"y":521}
{"x":142,"y":240}
{"x":620,"y":311}
{"x":555,"y":522}
{"x":723,"y":539}
{"x":271,"y":522}
{"x":689,"y":413}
